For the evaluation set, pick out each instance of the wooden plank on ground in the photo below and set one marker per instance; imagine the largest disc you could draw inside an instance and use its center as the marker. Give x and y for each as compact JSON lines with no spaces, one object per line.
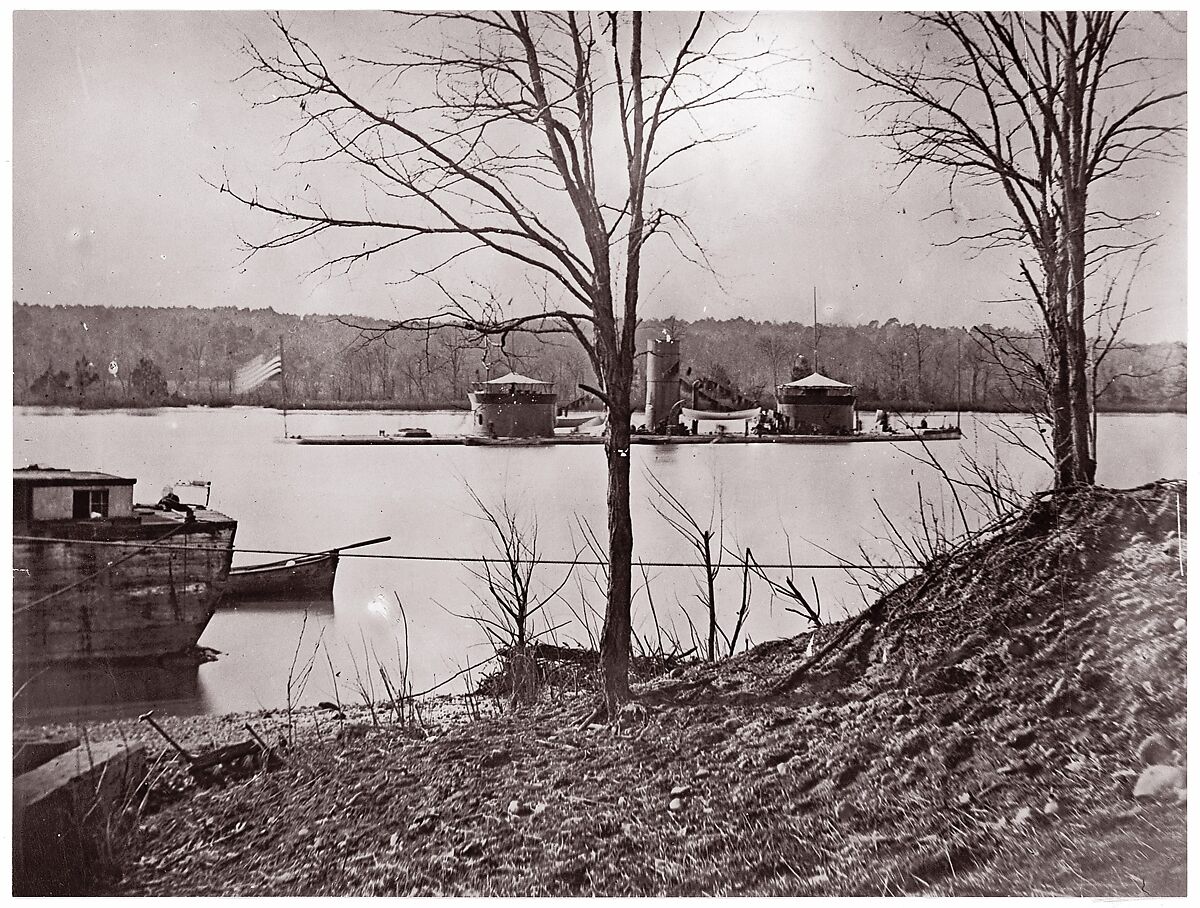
{"x":60,"y":805}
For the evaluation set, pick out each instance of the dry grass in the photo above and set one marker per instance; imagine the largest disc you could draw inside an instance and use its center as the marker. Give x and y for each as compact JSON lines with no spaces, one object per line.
{"x":1027,"y":673}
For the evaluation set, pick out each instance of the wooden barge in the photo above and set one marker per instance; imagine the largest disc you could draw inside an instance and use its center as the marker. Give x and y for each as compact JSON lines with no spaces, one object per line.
{"x":920,"y":435}
{"x":97,"y":578}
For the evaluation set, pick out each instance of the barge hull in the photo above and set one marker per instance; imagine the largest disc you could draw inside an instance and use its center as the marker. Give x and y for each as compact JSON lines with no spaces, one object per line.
{"x":73,"y":601}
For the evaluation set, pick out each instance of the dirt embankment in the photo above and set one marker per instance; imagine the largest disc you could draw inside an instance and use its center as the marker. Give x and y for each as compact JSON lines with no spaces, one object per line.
{"x":992,"y":735}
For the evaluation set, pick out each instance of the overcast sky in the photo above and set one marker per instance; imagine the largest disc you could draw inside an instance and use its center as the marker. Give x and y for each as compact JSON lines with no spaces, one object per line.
{"x":119,"y":119}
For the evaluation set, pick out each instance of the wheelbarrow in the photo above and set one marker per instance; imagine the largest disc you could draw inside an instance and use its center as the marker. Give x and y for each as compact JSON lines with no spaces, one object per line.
{"x":245,"y":754}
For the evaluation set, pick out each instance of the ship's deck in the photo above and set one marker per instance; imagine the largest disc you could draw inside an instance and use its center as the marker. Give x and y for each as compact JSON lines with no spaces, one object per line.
{"x":939,"y":434}
{"x":151,"y":515}
{"x":146,"y":522}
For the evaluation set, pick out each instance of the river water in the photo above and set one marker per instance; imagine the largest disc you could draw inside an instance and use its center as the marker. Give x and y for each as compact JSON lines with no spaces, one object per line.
{"x":799,"y":504}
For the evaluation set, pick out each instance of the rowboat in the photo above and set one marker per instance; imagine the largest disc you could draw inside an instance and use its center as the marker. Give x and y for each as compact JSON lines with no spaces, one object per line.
{"x":303,"y":577}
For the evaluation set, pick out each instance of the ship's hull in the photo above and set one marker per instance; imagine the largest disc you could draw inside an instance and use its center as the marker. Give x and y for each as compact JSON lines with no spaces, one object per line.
{"x":133,"y":589}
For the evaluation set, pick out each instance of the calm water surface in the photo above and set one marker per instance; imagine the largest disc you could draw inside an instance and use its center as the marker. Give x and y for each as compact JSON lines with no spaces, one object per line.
{"x":815,"y":499}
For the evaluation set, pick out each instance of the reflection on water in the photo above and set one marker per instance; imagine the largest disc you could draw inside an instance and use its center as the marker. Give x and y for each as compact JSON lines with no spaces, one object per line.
{"x":116,"y":689}
{"x":252,"y":608}
{"x":785,"y":502}
{"x":109,"y":690}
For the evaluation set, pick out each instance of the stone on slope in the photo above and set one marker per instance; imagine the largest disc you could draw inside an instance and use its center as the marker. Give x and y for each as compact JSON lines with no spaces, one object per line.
{"x":1159,"y":780}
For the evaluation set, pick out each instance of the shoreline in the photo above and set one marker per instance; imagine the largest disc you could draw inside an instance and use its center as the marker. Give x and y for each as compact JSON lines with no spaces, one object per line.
{"x":201,"y":731}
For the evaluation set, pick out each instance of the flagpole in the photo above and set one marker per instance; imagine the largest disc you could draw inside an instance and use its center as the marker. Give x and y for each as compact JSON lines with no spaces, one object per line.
{"x":283,"y":385}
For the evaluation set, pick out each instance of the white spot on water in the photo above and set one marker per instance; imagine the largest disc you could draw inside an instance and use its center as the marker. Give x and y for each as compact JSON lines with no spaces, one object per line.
{"x":378,"y":606}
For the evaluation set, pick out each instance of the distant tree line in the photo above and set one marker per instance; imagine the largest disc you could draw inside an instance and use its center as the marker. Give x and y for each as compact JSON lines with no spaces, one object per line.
{"x":91,"y":356}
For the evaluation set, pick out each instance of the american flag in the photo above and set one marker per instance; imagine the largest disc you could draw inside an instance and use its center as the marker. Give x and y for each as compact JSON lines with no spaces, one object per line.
{"x":257,"y":371}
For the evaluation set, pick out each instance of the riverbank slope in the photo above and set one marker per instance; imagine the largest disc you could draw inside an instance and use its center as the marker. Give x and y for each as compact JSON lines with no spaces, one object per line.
{"x":1011,"y":722}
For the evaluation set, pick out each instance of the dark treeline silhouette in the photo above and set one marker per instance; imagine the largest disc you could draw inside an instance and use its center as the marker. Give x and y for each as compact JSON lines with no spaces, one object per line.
{"x":62,"y":356}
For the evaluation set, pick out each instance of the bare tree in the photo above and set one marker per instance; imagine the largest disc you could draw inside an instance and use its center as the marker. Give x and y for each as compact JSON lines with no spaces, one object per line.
{"x":919,"y":344}
{"x":1042,"y":107}
{"x":536,"y":138}
{"x":708,"y":540}
{"x":1028,"y":382}
{"x":513,"y":603}
{"x":774,"y":349}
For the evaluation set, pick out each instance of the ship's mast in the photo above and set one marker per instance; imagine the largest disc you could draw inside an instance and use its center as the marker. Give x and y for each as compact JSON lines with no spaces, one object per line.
{"x":958,"y":384}
{"x":816,"y":333}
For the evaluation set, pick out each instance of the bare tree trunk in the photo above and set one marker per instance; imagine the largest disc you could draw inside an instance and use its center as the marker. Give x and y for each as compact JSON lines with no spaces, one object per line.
{"x":1079,"y":389}
{"x":1060,"y":411}
{"x":615,"y":642}
{"x":1074,"y":214}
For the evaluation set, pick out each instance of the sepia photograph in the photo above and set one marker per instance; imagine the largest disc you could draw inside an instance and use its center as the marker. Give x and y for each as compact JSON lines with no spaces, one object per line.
{"x":599,"y":453}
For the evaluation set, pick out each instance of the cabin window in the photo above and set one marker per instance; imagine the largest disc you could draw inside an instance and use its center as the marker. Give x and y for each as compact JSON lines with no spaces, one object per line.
{"x":90,"y":503}
{"x":479,"y":418}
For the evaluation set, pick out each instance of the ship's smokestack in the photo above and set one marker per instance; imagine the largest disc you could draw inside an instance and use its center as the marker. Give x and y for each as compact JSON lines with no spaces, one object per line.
{"x":662,"y":380}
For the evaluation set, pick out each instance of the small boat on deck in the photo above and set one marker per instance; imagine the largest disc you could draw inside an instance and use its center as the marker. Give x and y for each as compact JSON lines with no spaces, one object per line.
{"x":301,"y":578}
{"x":305,"y":577}
{"x":574,"y":422}
{"x":483,"y":441}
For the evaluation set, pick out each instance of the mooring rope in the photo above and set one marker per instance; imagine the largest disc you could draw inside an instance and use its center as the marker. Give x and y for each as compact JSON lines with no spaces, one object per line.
{"x":476,"y":559}
{"x":108,"y":567}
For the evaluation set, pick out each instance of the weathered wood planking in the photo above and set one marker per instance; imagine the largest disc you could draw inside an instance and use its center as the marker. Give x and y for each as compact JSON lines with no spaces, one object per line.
{"x":156,"y":602}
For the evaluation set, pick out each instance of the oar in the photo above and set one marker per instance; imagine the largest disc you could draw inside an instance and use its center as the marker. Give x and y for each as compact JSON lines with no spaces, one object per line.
{"x":356,"y":545}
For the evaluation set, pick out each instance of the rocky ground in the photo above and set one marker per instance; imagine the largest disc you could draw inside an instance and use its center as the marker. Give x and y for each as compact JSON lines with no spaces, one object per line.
{"x":1012,"y":722}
